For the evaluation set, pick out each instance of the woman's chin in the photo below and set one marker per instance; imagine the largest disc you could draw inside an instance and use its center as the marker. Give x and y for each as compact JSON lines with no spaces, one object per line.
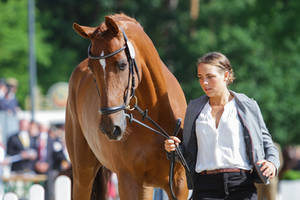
{"x":209,"y":93}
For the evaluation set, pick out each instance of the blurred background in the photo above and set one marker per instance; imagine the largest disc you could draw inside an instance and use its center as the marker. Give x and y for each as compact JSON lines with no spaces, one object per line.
{"x":260,"y":38}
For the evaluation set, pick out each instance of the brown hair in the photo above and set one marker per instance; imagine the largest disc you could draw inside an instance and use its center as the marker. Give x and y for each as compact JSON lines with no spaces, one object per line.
{"x":219,"y":60}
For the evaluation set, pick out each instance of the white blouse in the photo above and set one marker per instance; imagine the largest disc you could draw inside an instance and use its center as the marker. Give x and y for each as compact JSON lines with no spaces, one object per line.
{"x":222,"y":147}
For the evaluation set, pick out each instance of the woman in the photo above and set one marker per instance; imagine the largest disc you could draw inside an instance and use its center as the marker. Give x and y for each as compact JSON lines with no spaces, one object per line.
{"x":225,"y":141}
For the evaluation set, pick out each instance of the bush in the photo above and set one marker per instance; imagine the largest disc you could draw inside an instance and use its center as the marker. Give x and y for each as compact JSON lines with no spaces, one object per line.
{"x":291,"y":175}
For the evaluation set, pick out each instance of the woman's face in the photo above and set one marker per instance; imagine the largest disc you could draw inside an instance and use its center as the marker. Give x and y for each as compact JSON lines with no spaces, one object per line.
{"x":212,"y":79}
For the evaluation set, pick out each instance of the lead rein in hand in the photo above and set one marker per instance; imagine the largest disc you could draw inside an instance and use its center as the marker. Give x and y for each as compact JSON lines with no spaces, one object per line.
{"x":163,"y":133}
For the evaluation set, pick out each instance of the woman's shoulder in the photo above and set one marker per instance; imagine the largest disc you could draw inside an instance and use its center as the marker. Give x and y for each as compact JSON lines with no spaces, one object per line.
{"x":244,"y":101}
{"x":243,"y":98}
{"x":200,"y":100}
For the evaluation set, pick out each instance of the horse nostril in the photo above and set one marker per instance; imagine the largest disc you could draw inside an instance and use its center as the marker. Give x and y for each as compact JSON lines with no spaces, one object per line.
{"x":116,"y":131}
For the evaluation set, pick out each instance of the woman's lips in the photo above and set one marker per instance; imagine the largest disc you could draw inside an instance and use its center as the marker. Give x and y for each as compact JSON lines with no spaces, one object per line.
{"x":207,"y":89}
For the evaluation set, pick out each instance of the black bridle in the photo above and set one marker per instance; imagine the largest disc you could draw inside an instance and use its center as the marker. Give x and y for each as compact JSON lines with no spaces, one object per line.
{"x":130,"y":54}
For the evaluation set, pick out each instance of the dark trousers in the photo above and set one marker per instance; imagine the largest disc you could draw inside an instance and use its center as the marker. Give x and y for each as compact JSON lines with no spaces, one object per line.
{"x":224,"y":186}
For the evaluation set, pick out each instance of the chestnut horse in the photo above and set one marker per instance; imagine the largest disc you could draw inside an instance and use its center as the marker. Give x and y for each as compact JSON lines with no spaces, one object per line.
{"x":106,"y":81}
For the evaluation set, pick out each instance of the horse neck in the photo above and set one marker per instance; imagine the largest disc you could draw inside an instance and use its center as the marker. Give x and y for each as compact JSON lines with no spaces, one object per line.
{"x":152,"y":91}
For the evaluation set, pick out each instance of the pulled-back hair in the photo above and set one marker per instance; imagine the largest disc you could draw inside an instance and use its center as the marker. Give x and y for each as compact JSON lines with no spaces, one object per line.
{"x":219,"y":60}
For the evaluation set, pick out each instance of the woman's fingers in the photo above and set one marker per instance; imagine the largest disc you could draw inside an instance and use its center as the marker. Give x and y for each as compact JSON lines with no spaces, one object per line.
{"x":267,"y":168}
{"x":171,"y":143}
{"x":175,"y":139}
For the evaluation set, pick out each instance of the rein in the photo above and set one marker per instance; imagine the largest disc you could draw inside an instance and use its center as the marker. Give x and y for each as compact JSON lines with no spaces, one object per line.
{"x":164,"y":134}
{"x":130,"y":54}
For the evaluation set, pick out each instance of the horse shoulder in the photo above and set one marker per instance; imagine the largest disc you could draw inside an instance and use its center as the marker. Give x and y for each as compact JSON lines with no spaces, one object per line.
{"x":78,"y":74}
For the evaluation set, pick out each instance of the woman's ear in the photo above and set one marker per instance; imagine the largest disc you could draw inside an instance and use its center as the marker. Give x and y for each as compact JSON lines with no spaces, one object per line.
{"x":226,"y":76}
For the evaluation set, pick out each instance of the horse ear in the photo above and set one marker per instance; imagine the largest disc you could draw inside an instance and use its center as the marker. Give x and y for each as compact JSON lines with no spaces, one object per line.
{"x":84,"y":31}
{"x":111,"y":25}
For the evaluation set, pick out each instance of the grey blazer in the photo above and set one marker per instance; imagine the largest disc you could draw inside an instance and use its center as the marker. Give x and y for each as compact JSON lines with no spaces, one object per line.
{"x":259,"y":144}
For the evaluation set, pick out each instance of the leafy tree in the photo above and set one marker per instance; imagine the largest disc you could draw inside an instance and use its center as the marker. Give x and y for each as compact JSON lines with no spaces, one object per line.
{"x":14,"y":44}
{"x":261,"y":39}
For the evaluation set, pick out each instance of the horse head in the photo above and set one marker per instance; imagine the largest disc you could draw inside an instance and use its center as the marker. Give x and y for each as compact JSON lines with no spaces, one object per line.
{"x":116,"y":74}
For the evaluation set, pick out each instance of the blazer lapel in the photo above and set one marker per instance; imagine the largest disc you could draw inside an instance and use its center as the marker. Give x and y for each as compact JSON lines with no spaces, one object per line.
{"x":194,"y":110}
{"x":197,"y":107}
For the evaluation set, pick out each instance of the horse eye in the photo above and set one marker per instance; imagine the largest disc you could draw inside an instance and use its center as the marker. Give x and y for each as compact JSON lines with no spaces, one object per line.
{"x":122,"y":65}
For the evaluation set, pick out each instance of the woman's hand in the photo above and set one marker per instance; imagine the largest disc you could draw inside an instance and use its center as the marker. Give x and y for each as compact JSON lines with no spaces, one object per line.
{"x":267,"y":168}
{"x":171,"y":143}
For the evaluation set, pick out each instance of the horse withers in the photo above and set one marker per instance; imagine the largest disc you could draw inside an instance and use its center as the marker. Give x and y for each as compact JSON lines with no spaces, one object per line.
{"x":123,"y":68}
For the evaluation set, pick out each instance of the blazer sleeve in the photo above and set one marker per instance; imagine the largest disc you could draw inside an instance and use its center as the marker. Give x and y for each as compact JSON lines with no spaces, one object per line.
{"x":271,"y":151}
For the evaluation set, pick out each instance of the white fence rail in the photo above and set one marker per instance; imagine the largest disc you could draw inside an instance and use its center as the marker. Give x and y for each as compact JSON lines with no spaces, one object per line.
{"x":37,"y":192}
{"x":288,"y":190}
{"x":10,"y":196}
{"x":62,"y":184}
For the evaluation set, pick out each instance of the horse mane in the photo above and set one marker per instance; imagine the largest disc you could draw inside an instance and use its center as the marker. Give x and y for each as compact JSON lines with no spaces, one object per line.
{"x":123,"y":18}
{"x":118,"y":18}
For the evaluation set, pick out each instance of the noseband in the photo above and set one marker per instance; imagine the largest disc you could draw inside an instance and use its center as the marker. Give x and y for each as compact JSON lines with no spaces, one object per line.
{"x":130,"y":54}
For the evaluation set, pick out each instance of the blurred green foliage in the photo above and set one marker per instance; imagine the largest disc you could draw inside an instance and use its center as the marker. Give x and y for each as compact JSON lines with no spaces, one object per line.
{"x":291,"y":175}
{"x":261,"y":39}
{"x":14,"y":44}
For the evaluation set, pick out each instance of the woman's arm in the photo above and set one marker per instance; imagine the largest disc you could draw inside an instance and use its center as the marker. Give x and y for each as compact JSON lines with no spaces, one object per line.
{"x":271,"y":151}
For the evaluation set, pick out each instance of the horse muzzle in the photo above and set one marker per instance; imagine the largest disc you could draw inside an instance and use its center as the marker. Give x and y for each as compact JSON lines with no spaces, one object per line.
{"x":113,"y":125}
